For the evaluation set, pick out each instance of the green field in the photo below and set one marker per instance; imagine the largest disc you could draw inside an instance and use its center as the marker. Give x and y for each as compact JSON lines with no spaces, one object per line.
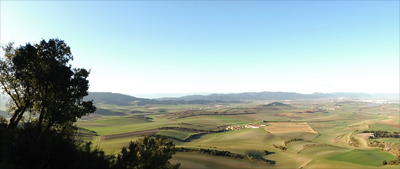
{"x":202,"y":161}
{"x":364,"y":157}
{"x":177,"y":134}
{"x":327,"y":154}
{"x":383,"y":127}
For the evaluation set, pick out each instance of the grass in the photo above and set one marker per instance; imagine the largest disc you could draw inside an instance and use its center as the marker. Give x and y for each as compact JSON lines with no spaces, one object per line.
{"x":329,"y":125}
{"x":364,"y":157}
{"x":225,"y":119}
{"x":283,"y":127}
{"x":297,"y":146}
{"x":177,"y":134}
{"x":245,"y":139}
{"x":236,"y":139}
{"x":382,"y":127}
{"x":119,"y":125}
{"x":114,"y":146}
{"x":323,"y":151}
{"x":203,"y":161}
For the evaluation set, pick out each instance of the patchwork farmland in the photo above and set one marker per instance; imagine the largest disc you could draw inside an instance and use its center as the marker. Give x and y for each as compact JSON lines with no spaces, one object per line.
{"x":294,"y":136}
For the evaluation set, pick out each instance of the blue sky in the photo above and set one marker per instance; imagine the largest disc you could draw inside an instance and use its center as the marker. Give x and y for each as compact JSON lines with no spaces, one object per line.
{"x":137,"y":47}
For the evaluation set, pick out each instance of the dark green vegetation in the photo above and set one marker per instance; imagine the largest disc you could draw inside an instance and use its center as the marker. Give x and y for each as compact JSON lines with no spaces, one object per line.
{"x":54,"y":149}
{"x":46,"y":99}
{"x":39,"y":80}
{"x":294,"y":139}
{"x":283,"y":148}
{"x":392,"y":148}
{"x":396,"y":161}
{"x":211,"y":152}
{"x":383,"y":134}
{"x":273,"y":104}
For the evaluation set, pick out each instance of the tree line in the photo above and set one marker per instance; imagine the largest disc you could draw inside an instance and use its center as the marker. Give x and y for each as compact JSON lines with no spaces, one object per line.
{"x":211,"y":152}
{"x":229,"y":154}
{"x":383,"y":134}
{"x":286,"y":142}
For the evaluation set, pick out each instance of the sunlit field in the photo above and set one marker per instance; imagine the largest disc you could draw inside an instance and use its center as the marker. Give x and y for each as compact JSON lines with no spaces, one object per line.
{"x":327,"y":136}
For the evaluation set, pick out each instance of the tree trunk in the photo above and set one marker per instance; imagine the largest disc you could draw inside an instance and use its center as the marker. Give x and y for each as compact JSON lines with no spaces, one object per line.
{"x":15,"y":120}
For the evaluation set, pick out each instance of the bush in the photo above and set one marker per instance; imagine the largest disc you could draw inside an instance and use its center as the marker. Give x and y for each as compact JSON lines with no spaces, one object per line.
{"x":26,"y":147}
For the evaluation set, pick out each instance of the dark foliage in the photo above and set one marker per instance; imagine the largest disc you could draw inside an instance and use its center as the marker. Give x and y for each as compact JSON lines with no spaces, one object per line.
{"x":294,"y":139}
{"x":260,"y":160}
{"x":283,"y":148}
{"x":211,"y":152}
{"x":39,"y":80}
{"x":273,"y":104}
{"x":396,"y":161}
{"x":25,"y":147}
{"x":106,"y":112}
{"x":147,"y":153}
{"x":383,"y":134}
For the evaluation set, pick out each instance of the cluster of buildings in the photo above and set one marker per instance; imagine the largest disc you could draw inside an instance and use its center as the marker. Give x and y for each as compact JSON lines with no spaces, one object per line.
{"x":328,"y":108}
{"x":235,"y":127}
{"x":246,"y":126}
{"x":255,"y":126}
{"x":209,"y":107}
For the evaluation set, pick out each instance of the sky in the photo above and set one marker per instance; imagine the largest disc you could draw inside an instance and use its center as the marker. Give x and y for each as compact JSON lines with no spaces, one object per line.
{"x":150,"y":47}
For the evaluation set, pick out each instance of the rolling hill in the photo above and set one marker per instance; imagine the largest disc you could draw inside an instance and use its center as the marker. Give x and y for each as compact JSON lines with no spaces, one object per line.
{"x":268,"y":96}
{"x":121,"y":99}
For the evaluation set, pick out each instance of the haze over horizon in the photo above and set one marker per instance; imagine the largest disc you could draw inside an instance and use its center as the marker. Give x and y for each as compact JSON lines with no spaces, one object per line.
{"x":137,"y":47}
{"x":390,"y":96}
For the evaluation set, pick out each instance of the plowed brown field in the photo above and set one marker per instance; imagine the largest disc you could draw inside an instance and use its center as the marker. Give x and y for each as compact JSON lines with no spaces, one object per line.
{"x":282,"y":127}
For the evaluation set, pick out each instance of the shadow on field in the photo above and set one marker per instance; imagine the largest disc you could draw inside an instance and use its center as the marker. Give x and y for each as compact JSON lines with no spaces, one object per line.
{"x":259,"y":154}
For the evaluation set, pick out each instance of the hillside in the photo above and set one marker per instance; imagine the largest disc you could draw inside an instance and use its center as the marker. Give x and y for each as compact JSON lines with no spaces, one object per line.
{"x":268,"y":96}
{"x":121,"y":99}
{"x":111,"y":98}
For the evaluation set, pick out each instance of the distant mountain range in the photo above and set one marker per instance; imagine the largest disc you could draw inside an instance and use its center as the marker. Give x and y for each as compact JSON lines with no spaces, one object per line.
{"x":121,"y":99}
{"x":268,"y":96}
{"x":112,"y":98}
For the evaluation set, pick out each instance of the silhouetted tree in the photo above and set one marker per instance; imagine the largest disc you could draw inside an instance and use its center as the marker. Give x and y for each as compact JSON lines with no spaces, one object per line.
{"x":39,"y":79}
{"x":147,"y":153}
{"x":21,"y":94}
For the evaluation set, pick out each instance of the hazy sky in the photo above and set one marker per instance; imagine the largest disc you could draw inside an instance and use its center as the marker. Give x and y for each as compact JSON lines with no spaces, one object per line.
{"x":136,"y":47}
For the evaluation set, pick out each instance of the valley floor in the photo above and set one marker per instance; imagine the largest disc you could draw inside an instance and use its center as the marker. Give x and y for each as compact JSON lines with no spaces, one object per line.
{"x":323,"y":138}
